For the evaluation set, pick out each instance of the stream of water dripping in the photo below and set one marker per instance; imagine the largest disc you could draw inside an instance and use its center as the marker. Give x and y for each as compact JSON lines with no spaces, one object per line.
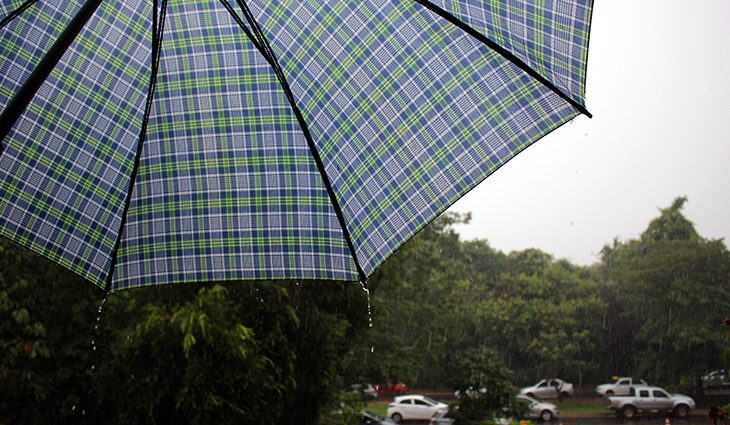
{"x":370,"y":314}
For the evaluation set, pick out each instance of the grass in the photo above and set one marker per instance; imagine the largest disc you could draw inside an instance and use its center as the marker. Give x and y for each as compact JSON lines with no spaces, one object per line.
{"x":582,"y":406}
{"x":378,"y":408}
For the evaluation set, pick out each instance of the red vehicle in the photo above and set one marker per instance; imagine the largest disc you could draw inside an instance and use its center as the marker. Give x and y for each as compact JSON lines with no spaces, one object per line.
{"x":391,"y":390}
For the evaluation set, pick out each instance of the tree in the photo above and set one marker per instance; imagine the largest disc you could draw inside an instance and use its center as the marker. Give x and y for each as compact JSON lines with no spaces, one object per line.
{"x":484,"y":386}
{"x":668,"y":291}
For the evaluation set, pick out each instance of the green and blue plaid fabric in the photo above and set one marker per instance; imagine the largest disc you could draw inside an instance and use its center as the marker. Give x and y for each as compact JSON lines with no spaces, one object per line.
{"x":66,"y":164}
{"x":25,"y":39}
{"x":227,"y":189}
{"x":407,"y":111}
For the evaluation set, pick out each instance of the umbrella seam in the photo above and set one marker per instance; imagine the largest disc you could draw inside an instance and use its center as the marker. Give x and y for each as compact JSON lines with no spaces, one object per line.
{"x":28,"y":90}
{"x":12,"y":15}
{"x":157,"y":31}
{"x":503,"y":52}
{"x":265,"y":49}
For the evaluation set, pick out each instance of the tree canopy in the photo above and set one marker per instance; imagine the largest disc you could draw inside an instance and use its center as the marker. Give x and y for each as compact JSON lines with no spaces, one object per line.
{"x":448,"y":314}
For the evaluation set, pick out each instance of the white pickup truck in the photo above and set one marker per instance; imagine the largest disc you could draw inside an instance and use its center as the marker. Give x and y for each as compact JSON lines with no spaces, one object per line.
{"x":619,"y":386}
{"x":643,"y":399}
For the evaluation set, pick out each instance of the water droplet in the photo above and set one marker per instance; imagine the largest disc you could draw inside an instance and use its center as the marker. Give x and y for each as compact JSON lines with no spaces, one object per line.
{"x":370,"y":314}
{"x":372,"y":349}
{"x":73,"y":407}
{"x":93,"y":367}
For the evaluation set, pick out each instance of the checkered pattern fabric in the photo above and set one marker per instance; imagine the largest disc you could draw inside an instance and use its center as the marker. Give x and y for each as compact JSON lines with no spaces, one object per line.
{"x":227,"y":188}
{"x":8,"y":6}
{"x":25,"y":39}
{"x":551,"y":36}
{"x":406,"y":110}
{"x":66,"y":164}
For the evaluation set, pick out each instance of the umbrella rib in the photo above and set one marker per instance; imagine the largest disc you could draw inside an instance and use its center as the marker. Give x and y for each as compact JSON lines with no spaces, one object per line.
{"x":262,"y":44}
{"x":27,"y":91}
{"x":12,"y":15}
{"x":157,"y":30}
{"x":504,"y":53}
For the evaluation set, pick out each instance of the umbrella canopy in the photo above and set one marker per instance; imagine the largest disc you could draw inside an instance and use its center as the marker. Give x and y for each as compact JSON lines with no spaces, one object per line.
{"x":165,"y":141}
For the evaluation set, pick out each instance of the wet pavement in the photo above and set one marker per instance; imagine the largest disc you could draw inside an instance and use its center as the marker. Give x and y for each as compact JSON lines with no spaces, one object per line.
{"x":694,"y":419}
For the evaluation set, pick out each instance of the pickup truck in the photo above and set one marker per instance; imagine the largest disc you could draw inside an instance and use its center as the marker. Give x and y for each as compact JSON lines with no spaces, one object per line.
{"x":643,"y":399}
{"x":619,"y":386}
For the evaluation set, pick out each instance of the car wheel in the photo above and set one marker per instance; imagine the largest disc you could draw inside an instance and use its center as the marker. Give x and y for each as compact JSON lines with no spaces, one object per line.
{"x":564,"y":394}
{"x":629,"y":411}
{"x":397,"y":418}
{"x":546,"y":416}
{"x":681,"y":411}
{"x":609,"y":393}
{"x":531,"y":395}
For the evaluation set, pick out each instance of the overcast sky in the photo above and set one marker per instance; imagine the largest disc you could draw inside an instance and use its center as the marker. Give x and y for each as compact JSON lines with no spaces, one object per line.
{"x":659,"y":90}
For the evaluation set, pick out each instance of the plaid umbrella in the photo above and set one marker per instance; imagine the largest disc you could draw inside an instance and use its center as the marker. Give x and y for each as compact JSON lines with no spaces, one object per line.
{"x":167,"y":141}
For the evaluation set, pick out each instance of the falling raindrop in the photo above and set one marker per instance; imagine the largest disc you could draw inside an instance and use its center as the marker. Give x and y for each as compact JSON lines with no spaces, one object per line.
{"x":370,"y":314}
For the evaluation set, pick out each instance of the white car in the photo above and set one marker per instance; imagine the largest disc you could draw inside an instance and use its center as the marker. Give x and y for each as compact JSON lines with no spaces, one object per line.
{"x":539,"y":409}
{"x":619,"y":386}
{"x":414,"y":407}
{"x":549,"y":388}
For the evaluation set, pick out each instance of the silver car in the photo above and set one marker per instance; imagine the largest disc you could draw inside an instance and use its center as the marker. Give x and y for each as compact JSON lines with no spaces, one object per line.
{"x":539,"y":409}
{"x":549,"y":388}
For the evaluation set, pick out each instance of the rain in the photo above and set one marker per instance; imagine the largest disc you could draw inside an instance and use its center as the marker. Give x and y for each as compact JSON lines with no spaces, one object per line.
{"x":347,"y":213}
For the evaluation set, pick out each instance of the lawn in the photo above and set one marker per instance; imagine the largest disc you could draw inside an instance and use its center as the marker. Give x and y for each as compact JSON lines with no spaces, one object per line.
{"x":582,"y":407}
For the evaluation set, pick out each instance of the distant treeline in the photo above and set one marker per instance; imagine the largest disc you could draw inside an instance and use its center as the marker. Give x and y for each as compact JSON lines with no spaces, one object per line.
{"x":281,"y":352}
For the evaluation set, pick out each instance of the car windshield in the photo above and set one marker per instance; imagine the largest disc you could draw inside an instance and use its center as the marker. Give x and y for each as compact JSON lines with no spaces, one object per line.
{"x":430,"y":400}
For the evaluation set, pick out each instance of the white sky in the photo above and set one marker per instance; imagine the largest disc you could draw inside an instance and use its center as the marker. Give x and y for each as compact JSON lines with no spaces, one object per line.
{"x":659,"y":90}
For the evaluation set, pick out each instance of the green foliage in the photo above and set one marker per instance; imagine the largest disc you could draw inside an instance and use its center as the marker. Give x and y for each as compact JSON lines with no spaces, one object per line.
{"x":39,"y":363}
{"x":446,"y":313}
{"x":668,"y":292}
{"x":484,"y":386}
{"x":264,"y":353}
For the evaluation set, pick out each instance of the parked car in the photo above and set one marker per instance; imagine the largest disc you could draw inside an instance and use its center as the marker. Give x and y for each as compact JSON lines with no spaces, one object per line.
{"x":643,"y":399}
{"x":539,"y":409}
{"x":439,"y":418}
{"x":716,"y":378}
{"x":619,"y":386}
{"x":414,"y":407}
{"x":366,"y":389}
{"x":391,"y":389}
{"x":370,"y":418}
{"x":549,"y":388}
